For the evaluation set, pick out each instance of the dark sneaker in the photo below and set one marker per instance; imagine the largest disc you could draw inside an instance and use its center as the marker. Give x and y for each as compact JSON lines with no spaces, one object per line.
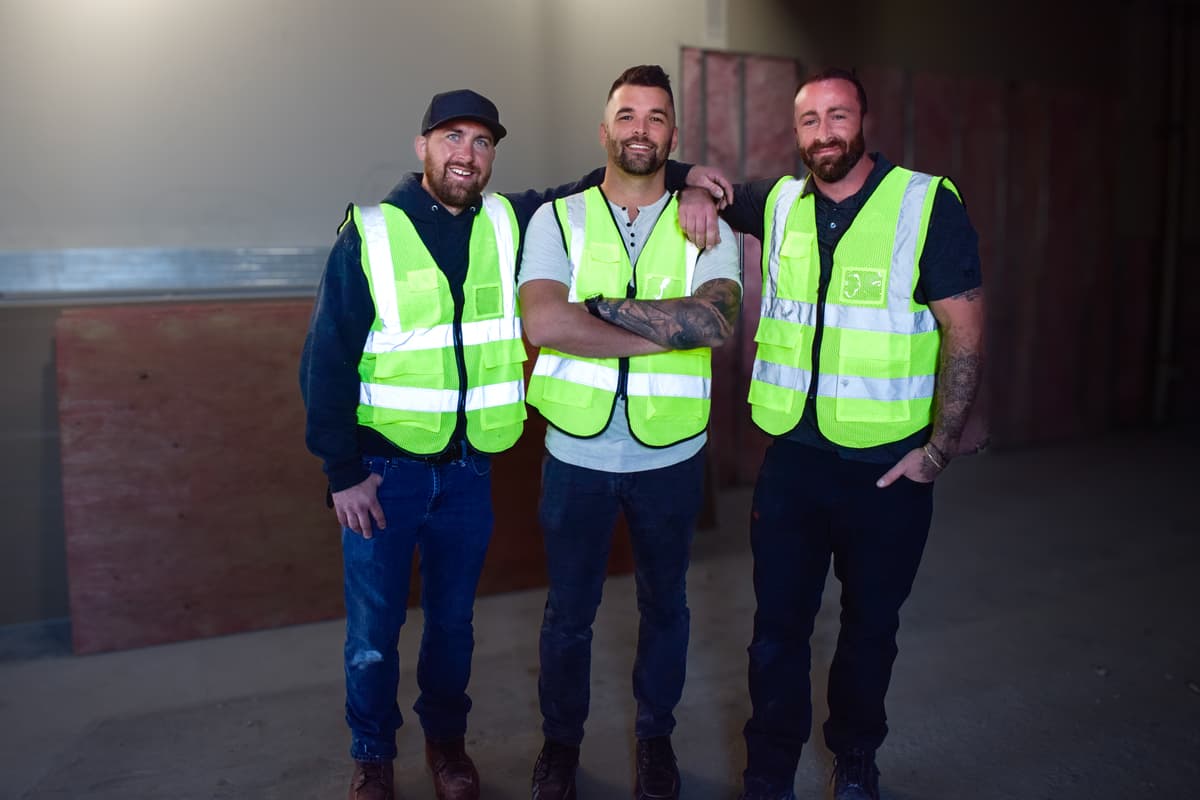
{"x":372,"y":780}
{"x":454,"y":775}
{"x":855,"y":776}
{"x":554,"y":772}
{"x":657,"y":774}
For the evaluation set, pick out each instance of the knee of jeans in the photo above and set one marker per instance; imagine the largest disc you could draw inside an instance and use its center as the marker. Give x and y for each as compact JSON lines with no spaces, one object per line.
{"x":448,"y":627}
{"x":865,"y":624}
{"x":361,"y":658}
{"x":573,"y":619}
{"x":665,"y":615}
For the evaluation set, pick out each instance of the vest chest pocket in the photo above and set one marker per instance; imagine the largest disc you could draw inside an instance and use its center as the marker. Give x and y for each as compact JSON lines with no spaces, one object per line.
{"x":604,"y":271}
{"x":488,"y":301}
{"x":420,"y":299}
{"x":798,"y":267}
{"x":860,"y":286}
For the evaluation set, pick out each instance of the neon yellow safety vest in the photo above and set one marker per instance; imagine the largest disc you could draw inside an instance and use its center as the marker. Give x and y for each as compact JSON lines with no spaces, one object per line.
{"x":879,"y":347}
{"x":667,"y":394}
{"x":409,"y":390}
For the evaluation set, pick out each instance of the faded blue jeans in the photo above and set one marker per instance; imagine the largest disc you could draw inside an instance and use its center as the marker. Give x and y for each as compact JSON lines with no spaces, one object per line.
{"x":445,"y":512}
{"x":577,"y":513}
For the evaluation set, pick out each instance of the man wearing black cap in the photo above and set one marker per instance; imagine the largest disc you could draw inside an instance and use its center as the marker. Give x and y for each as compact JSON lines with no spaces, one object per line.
{"x":412,"y":376}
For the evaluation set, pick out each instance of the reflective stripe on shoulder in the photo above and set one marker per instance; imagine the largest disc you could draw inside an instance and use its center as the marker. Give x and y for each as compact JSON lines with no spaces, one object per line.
{"x":904,"y":247}
{"x":497,"y":212}
{"x":383,"y":274}
{"x":784,"y":200}
{"x":576,"y":206}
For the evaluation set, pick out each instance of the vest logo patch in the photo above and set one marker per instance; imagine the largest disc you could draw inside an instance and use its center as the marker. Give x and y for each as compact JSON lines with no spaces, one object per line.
{"x":862,"y":286}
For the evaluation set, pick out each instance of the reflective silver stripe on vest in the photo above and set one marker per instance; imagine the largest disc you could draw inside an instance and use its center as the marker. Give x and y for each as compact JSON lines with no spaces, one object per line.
{"x":439,"y":401}
{"x":691,"y":254}
{"x":879,"y":319}
{"x":796,"y":311}
{"x":666,"y":386}
{"x":497,"y":213}
{"x":904,"y":247}
{"x":576,"y":215}
{"x":575,"y":371}
{"x":383,"y":275}
{"x":439,"y":336}
{"x":847,"y":386}
{"x":407,"y":398}
{"x":788,"y":193}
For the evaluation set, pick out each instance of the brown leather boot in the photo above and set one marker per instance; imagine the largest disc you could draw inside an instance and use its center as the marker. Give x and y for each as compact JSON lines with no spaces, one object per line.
{"x":372,"y":780}
{"x":454,"y":774}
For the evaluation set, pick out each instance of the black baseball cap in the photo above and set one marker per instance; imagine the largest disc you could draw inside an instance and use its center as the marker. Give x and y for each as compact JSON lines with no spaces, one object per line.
{"x":462,"y":104}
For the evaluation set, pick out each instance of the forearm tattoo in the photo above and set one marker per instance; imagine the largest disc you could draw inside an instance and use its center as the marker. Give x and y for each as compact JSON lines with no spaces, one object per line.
{"x":960,"y":369}
{"x":705,"y":319}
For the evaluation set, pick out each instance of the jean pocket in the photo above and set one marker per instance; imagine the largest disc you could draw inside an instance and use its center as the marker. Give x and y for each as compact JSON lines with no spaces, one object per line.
{"x":479,"y":464}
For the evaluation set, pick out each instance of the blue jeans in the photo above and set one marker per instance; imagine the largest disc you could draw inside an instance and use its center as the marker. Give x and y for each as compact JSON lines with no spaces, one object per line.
{"x":444,"y":511}
{"x":577,"y":513}
{"x":810,"y":507}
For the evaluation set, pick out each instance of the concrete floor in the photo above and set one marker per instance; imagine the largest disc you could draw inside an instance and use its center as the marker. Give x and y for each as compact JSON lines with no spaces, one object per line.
{"x":1051,"y":649}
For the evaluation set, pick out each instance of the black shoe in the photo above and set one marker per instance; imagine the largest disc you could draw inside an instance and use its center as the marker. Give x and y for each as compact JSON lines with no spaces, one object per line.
{"x":855,"y":776}
{"x":657,"y":775}
{"x":554,"y":772}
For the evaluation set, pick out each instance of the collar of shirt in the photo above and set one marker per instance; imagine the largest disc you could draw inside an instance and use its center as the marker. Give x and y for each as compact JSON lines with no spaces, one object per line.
{"x":856,"y":200}
{"x":410,"y":197}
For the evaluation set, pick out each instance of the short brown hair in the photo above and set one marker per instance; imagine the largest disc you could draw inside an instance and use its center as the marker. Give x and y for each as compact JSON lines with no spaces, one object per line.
{"x":837,"y":74}
{"x":644,"y":75}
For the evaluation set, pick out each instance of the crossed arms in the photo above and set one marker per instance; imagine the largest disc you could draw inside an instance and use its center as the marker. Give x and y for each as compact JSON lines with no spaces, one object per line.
{"x":624,"y":327}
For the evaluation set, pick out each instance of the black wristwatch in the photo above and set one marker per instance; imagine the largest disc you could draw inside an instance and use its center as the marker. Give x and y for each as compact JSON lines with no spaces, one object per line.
{"x":591,"y":304}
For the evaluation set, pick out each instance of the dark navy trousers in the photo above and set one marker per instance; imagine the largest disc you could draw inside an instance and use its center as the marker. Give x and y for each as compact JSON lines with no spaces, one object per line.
{"x":811,"y":507}
{"x":578,"y":511}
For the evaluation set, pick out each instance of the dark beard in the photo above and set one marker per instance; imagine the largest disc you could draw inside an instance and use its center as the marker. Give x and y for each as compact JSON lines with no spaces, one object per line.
{"x":453,"y":194}
{"x":832,"y":170}
{"x":637,"y":164}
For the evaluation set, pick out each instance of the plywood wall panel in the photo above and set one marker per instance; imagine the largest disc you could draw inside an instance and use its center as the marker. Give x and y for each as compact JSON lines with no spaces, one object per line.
{"x":191,"y":505}
{"x":770,"y":137}
{"x":723,"y":111}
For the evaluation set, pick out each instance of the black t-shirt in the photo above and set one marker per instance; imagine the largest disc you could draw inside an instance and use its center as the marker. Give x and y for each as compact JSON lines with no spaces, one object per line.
{"x":949,"y":266}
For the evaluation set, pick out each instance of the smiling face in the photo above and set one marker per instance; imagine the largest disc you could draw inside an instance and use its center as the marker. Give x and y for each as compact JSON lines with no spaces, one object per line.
{"x":458,"y":160}
{"x":829,"y":128}
{"x":638,"y":129}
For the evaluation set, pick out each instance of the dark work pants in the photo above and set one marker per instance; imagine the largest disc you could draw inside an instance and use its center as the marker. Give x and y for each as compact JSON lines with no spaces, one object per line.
{"x":811,"y":506}
{"x":578,"y":511}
